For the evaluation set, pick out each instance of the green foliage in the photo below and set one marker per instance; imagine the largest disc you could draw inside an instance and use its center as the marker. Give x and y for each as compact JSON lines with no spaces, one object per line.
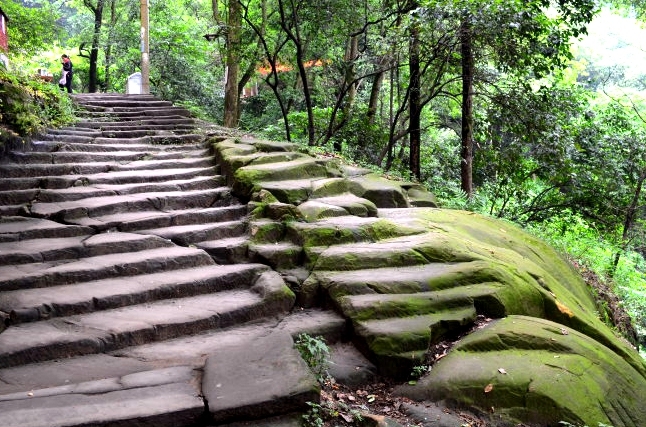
{"x":418,"y":372}
{"x":318,"y":414}
{"x":573,"y":235}
{"x":31,"y":29}
{"x":29,"y":105}
{"x":314,"y":417}
{"x":316,"y":354}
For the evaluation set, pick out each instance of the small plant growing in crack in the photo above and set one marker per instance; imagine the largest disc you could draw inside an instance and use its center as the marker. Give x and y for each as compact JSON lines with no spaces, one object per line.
{"x":316,"y":353}
{"x":328,"y":411}
{"x":418,"y":372}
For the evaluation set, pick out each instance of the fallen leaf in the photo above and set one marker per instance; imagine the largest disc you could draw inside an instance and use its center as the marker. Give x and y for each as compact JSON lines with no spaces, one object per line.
{"x":348,"y":418}
{"x":564,"y":309}
{"x":488,"y":388}
{"x":502,"y":371}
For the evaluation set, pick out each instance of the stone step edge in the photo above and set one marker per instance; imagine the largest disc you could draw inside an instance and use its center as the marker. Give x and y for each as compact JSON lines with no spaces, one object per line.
{"x":169,"y":257}
{"x":160,"y":398}
{"x":196,"y":281}
{"x":290,"y":385}
{"x":270,"y":297}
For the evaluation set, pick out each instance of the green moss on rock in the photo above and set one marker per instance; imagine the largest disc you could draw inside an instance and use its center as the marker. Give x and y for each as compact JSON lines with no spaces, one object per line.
{"x":414,"y":276}
{"x":535,"y":371}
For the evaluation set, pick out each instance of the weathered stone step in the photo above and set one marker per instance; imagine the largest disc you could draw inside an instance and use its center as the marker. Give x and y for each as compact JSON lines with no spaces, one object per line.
{"x":187,"y":350}
{"x":141,"y":220}
{"x":13,"y":210}
{"x":122,"y":131}
{"x":18,"y":197}
{"x":399,"y":344}
{"x":47,"y":388}
{"x":30,"y":305}
{"x":383,"y":306}
{"x":167,"y":121}
{"x":129,"y":103}
{"x":38,"y":170}
{"x":87,"y":97}
{"x":100,"y":206}
{"x":142,"y":131}
{"x":346,"y":229}
{"x":99,"y":113}
{"x":66,"y":248}
{"x":71,"y":193}
{"x":56,"y":273}
{"x":104,"y":178}
{"x":228,"y":250}
{"x":279,"y":256}
{"x":396,"y":252}
{"x":102,"y":190}
{"x":407,"y":280}
{"x":58,"y":134}
{"x":57,"y":146}
{"x":18,"y":228}
{"x":252,"y":379}
{"x":161,"y":137}
{"x":109,"y":330}
{"x":157,"y":398}
{"x":191,"y":234}
{"x":64,"y":157}
{"x":106,"y":130}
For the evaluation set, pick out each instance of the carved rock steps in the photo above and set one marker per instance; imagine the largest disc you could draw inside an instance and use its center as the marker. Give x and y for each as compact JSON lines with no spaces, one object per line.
{"x":110,"y":304}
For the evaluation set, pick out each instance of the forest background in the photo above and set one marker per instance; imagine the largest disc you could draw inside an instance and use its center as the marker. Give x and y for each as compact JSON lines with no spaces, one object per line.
{"x":530,"y":111}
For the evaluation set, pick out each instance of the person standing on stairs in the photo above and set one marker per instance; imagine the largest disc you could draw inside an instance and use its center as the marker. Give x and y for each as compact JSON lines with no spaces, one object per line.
{"x":66,"y":74}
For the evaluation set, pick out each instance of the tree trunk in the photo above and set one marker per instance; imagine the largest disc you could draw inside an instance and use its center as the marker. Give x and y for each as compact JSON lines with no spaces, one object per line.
{"x":466,"y":155}
{"x":292,"y":32}
{"x":94,"y":51}
{"x":107,"y":84}
{"x":629,"y":220}
{"x":374,"y":97}
{"x":231,"y":93}
{"x":414,"y":124}
{"x":351,"y":53}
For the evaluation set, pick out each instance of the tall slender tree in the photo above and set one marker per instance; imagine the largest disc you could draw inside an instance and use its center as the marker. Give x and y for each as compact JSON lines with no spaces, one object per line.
{"x":231,"y":92}
{"x":93,"y":55}
{"x":466,"y":153}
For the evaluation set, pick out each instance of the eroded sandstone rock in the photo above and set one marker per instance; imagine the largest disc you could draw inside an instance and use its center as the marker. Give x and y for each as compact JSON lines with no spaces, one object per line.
{"x":408,"y":278}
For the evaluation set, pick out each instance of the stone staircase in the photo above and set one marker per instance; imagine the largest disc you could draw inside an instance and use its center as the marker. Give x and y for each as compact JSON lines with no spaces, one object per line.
{"x":126,"y":292}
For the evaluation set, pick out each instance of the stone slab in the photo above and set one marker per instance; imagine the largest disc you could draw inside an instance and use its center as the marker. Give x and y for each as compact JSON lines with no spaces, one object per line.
{"x":55,"y":273}
{"x":167,"y":397}
{"x":112,"y":329}
{"x":116,"y":292}
{"x":13,"y":228}
{"x":257,"y":379}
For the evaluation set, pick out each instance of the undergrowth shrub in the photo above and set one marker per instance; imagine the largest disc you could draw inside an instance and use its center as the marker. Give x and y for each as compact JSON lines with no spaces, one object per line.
{"x":316,"y":354}
{"x":28,"y":105}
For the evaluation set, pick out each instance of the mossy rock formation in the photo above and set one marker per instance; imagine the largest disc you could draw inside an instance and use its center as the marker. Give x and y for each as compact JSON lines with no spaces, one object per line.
{"x":408,"y":275}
